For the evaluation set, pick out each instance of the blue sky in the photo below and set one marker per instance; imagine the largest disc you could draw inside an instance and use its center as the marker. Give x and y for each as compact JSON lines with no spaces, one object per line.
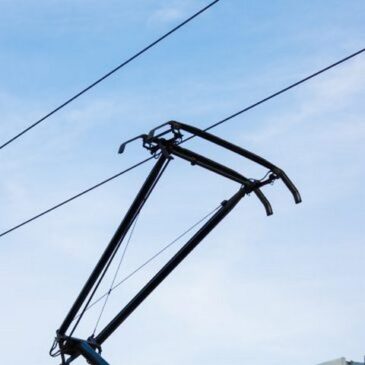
{"x":280,"y":290}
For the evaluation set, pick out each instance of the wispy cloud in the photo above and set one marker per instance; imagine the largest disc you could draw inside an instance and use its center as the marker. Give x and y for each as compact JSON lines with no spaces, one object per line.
{"x":171,"y":12}
{"x":166,"y":15}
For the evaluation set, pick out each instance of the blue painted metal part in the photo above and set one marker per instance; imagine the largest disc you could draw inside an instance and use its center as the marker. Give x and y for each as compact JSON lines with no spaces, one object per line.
{"x":90,"y":354}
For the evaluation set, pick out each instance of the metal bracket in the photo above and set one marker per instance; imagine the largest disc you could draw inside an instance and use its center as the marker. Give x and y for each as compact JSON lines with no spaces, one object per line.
{"x":74,"y":347}
{"x":154,"y":143}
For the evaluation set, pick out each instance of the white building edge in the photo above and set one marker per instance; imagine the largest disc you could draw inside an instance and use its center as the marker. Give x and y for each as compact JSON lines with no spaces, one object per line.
{"x":341,"y":361}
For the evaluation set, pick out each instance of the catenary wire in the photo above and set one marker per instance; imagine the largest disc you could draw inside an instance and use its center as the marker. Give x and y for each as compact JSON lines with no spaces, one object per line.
{"x":99,"y":184}
{"x":125,"y":63}
{"x":252,"y":106}
{"x":285,"y":89}
{"x":160,"y":252}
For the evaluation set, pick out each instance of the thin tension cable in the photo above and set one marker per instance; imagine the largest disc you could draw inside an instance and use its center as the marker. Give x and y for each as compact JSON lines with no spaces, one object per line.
{"x":54,"y":353}
{"x":159,"y":253}
{"x":115,"y":274}
{"x":111,"y":259}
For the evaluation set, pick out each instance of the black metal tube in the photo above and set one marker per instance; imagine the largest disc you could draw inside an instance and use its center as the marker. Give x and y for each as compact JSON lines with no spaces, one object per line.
{"x":225,"y":144}
{"x":207,"y":163}
{"x":220,"y":169}
{"x":90,"y":354}
{"x":243,"y":152}
{"x":227,"y":206}
{"x":113,"y":244}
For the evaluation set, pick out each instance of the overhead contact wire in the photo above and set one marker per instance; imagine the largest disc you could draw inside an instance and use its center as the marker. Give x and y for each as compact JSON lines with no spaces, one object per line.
{"x":252,"y":106}
{"x":125,"y":63}
{"x":79,"y":195}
